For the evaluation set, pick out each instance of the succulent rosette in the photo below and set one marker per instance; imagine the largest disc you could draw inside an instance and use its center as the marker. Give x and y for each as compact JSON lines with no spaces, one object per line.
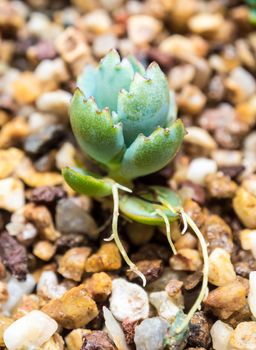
{"x":124,"y":117}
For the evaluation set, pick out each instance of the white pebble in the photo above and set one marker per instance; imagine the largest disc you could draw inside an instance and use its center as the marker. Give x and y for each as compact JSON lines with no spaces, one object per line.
{"x":33,"y":329}
{"x":12,"y":195}
{"x":252,"y":292}
{"x":128,"y":301}
{"x":48,"y":286}
{"x":199,"y":168}
{"x":200,"y":137}
{"x":56,"y":102}
{"x":165,"y":306}
{"x":52,"y":70}
{"x":150,"y":333}
{"x":220,"y":333}
{"x":16,"y":290}
{"x":65,"y":156}
{"x":143,"y":29}
{"x":221,"y":270}
{"x":102,"y":44}
{"x":248,"y":240}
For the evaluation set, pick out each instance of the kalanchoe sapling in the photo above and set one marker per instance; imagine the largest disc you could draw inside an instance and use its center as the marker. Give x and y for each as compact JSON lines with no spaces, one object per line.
{"x":124,"y":117}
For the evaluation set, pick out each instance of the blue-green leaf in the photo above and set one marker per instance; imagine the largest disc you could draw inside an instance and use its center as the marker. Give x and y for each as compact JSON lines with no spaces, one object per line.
{"x":145,"y":105}
{"x":86,"y":183}
{"x":94,"y":129}
{"x":147,"y":155}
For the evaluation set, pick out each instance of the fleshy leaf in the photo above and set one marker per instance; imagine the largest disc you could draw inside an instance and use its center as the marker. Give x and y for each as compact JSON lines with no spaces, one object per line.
{"x":86,"y":82}
{"x":144,"y":211}
{"x":145,"y":106}
{"x":136,"y":65}
{"x":172,"y":113}
{"x":147,"y":155}
{"x":86,"y":183}
{"x":94,"y":129}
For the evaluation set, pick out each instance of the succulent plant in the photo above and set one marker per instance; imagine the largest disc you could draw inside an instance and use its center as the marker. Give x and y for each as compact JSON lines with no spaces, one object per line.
{"x":123,"y":116}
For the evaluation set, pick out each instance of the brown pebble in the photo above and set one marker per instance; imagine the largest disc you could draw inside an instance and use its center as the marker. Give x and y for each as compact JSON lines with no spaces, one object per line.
{"x":46,"y":194}
{"x":14,"y":256}
{"x":173,"y":287}
{"x":107,"y":258}
{"x":151,"y":269}
{"x":193,"y":280}
{"x":99,"y":286}
{"x":129,"y":330}
{"x":72,"y":263}
{"x":74,"y":309}
{"x":98,"y":340}
{"x":220,"y":186}
{"x":199,"y":331}
{"x":227,"y":299}
{"x":44,"y":250}
{"x":186,"y":259}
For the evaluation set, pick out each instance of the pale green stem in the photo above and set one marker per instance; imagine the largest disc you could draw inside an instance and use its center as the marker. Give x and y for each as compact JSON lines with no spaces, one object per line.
{"x":168,"y":229}
{"x":115,"y":235}
{"x":187,"y":220}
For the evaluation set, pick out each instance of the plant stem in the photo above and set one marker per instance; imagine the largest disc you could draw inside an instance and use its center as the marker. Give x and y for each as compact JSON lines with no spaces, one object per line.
{"x":168,"y":229}
{"x":115,"y":235}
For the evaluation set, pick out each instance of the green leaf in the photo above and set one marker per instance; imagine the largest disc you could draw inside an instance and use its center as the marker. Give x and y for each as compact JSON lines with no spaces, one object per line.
{"x":144,"y":211}
{"x":136,"y":65}
{"x":94,"y":129}
{"x":147,"y":155}
{"x":87,"y":183}
{"x":145,"y":106}
{"x":86,"y":82}
{"x":172,"y":113}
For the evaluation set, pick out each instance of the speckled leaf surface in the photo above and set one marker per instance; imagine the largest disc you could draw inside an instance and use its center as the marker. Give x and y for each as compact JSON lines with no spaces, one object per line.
{"x":85,"y":183}
{"x":149,"y":154}
{"x":94,"y":129}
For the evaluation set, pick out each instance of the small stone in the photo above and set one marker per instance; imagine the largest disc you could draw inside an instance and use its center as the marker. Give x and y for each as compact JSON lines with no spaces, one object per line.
{"x":227,"y":299}
{"x":66,"y":156}
{"x":34,"y":329}
{"x":72,"y":263}
{"x":48,"y":286}
{"x":217,"y":233}
{"x":191,"y":100}
{"x":252,"y":293}
{"x":99,"y":286}
{"x":97,"y":22}
{"x":16,"y":290}
{"x":14,"y":256}
{"x":4,"y":295}
{"x":128,"y":301}
{"x":73,"y":49}
{"x":129,"y":331}
{"x":56,"y":102}
{"x":5,"y":322}
{"x":107,"y":258}
{"x":74,"y":340}
{"x":26,"y":88}
{"x":143,"y":29}
{"x":199,"y":168}
{"x":240,"y":85}
{"x":103,"y":44}
{"x":181,"y":75}
{"x":193,"y":280}
{"x":221,"y":270}
{"x":44,"y":140}
{"x":54,"y":343}
{"x":32,"y":178}
{"x":44,"y":250}
{"x":97,"y":340}
{"x":150,"y":334}
{"x":173,"y":288}
{"x":139,"y":234}
{"x":46,"y":194}
{"x":206,"y":23}
{"x":200,"y":137}
{"x":70,"y":241}
{"x":199,"y":331}
{"x":243,"y":337}
{"x":187,"y":260}
{"x":9,"y":159}
{"x":40,"y":216}
{"x":165,"y":305}
{"x":27,"y":304}
{"x":51,"y":72}
{"x":72,"y":218}
{"x":12,"y":196}
{"x":13,"y":131}
{"x":220,"y":333}
{"x":66,"y":310}
{"x":220,"y":186}
{"x":244,"y":204}
{"x":151,"y":269}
